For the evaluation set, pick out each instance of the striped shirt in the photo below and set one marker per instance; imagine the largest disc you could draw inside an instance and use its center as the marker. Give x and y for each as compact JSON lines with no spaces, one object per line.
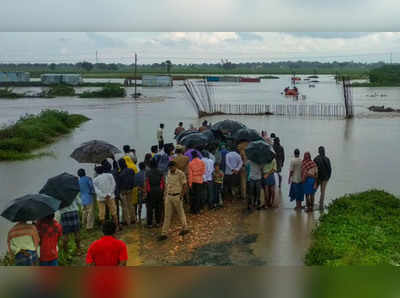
{"x":23,"y":236}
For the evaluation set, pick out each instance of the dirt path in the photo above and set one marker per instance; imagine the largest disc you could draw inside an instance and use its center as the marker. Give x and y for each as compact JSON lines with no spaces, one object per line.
{"x":227,"y":237}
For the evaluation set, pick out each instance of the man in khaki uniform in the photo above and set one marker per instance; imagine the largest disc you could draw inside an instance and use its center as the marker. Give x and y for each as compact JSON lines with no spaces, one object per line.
{"x":175,"y":189}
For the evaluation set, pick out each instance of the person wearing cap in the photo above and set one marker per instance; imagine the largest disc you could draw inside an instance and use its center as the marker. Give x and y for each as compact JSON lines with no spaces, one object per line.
{"x":175,"y":189}
{"x":182,"y":161}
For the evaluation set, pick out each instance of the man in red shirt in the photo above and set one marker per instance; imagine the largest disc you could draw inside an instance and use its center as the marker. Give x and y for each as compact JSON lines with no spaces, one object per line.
{"x":108,"y":250}
{"x":50,"y":232}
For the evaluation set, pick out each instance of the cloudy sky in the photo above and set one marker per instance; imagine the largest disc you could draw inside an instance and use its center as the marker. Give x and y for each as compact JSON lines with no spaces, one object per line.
{"x":198,"y":47}
{"x":341,"y":30}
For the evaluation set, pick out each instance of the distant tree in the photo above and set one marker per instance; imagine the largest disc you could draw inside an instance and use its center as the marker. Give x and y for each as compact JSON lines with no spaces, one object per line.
{"x":52,"y":66}
{"x":85,"y":65}
{"x":168,"y":64}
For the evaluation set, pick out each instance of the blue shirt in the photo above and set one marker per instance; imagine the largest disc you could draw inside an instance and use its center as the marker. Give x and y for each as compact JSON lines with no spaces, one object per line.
{"x":140,"y":178}
{"x":86,"y":189}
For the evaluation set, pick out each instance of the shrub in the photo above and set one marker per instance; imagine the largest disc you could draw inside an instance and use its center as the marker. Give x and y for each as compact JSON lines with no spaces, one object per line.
{"x":32,"y":132}
{"x":359,"y":229}
{"x":106,"y":92}
{"x":60,"y":90}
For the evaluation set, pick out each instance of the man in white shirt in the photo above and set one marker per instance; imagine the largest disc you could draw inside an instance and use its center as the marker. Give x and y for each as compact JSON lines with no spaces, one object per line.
{"x":104,"y":186}
{"x":296,"y":187}
{"x":160,"y":136}
{"x":233,"y":164}
{"x":208,"y":178}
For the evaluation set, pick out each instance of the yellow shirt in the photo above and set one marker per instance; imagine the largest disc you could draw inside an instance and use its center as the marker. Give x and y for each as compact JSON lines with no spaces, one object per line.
{"x":130,"y":164}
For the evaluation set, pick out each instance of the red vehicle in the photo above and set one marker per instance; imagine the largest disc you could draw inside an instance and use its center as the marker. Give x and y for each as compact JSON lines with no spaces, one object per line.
{"x":250,"y":80}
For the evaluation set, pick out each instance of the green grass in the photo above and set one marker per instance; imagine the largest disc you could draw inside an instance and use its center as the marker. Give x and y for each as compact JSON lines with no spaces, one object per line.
{"x":33,"y":132}
{"x":107,"y":91}
{"x":359,"y":229}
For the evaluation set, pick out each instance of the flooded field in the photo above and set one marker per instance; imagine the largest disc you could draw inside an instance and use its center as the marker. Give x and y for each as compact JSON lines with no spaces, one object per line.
{"x":363,"y":151}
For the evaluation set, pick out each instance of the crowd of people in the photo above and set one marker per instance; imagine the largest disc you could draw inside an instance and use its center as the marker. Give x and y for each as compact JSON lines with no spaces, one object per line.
{"x":169,"y":178}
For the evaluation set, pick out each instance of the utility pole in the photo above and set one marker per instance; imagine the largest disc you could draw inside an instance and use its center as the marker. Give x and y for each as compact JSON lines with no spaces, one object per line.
{"x":135,"y":95}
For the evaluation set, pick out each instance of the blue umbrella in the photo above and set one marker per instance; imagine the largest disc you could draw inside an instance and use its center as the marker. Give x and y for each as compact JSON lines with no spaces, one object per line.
{"x":31,"y":207}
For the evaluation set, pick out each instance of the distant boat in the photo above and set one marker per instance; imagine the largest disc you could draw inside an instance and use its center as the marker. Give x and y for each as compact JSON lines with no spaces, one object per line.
{"x":311,"y":86}
{"x":291,"y":91}
{"x":296,"y":79}
{"x":313,"y":77}
{"x":315,"y":81}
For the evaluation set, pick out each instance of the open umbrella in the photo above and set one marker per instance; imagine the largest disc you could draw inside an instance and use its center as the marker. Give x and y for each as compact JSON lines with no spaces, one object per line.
{"x":246,"y":134}
{"x":64,"y":187}
{"x":209,"y":135}
{"x":94,"y":152}
{"x":195,"y":140}
{"x":259,"y":152}
{"x":184,"y":133}
{"x":227,"y":126}
{"x":30,"y":207}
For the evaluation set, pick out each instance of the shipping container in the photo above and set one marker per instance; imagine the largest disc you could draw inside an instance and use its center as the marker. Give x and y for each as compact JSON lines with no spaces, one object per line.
{"x":14,"y":77}
{"x":69,"y":79}
{"x":250,"y":80}
{"x":156,"y":81}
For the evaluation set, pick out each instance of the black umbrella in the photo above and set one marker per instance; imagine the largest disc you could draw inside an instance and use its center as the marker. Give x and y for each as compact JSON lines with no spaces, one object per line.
{"x":31,"y":207}
{"x":184,"y":133}
{"x":64,"y":187}
{"x":209,"y":135}
{"x":246,"y":134}
{"x":94,"y":152}
{"x":259,"y":152}
{"x":194,"y":140}
{"x":227,"y":126}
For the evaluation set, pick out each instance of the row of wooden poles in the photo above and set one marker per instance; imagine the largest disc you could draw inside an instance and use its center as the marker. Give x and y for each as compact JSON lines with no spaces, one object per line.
{"x":301,"y":110}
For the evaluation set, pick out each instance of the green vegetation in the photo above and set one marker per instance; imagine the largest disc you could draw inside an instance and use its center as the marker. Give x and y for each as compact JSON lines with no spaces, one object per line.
{"x":60,"y":90}
{"x":106,"y":92}
{"x":225,"y":67}
{"x":359,"y":229}
{"x":388,"y":74}
{"x":32,"y":132}
{"x":8,"y":93}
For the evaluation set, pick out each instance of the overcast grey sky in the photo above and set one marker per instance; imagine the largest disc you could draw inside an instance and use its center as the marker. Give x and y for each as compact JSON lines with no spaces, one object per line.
{"x":208,"y":30}
{"x":198,"y":47}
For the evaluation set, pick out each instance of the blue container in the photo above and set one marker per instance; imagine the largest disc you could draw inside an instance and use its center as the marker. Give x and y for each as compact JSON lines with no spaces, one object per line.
{"x":212,"y":79}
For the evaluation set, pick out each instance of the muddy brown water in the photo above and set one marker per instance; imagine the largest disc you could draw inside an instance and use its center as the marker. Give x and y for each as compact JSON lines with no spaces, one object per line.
{"x":363,"y":151}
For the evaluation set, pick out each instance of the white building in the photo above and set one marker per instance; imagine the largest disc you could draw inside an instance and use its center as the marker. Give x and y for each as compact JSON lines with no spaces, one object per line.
{"x":156,"y":81}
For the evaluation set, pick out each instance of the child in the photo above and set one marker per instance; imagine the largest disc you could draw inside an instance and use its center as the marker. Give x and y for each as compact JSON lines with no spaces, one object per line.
{"x":50,"y":232}
{"x":140,"y":179}
{"x":218,"y":180}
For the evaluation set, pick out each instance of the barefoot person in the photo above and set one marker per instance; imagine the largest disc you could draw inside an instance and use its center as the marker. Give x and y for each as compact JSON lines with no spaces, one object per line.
{"x":309,"y":175}
{"x":296,"y":185}
{"x":280,"y":158}
{"x":175,"y":189}
{"x":324,"y":173}
{"x":269,"y":183}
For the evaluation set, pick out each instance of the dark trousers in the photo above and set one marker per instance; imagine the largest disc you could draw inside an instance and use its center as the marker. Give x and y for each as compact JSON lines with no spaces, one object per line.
{"x":231,"y":182}
{"x":154,"y":206}
{"x":196,"y":197}
{"x":217,"y":191}
{"x":254,"y":189}
{"x":160,"y":145}
{"x":208,"y":193}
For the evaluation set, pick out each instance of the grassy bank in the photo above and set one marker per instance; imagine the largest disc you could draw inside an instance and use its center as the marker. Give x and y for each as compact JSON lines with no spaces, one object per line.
{"x":60,"y":90}
{"x":33,"y":132}
{"x":106,"y":92}
{"x":359,"y":229}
